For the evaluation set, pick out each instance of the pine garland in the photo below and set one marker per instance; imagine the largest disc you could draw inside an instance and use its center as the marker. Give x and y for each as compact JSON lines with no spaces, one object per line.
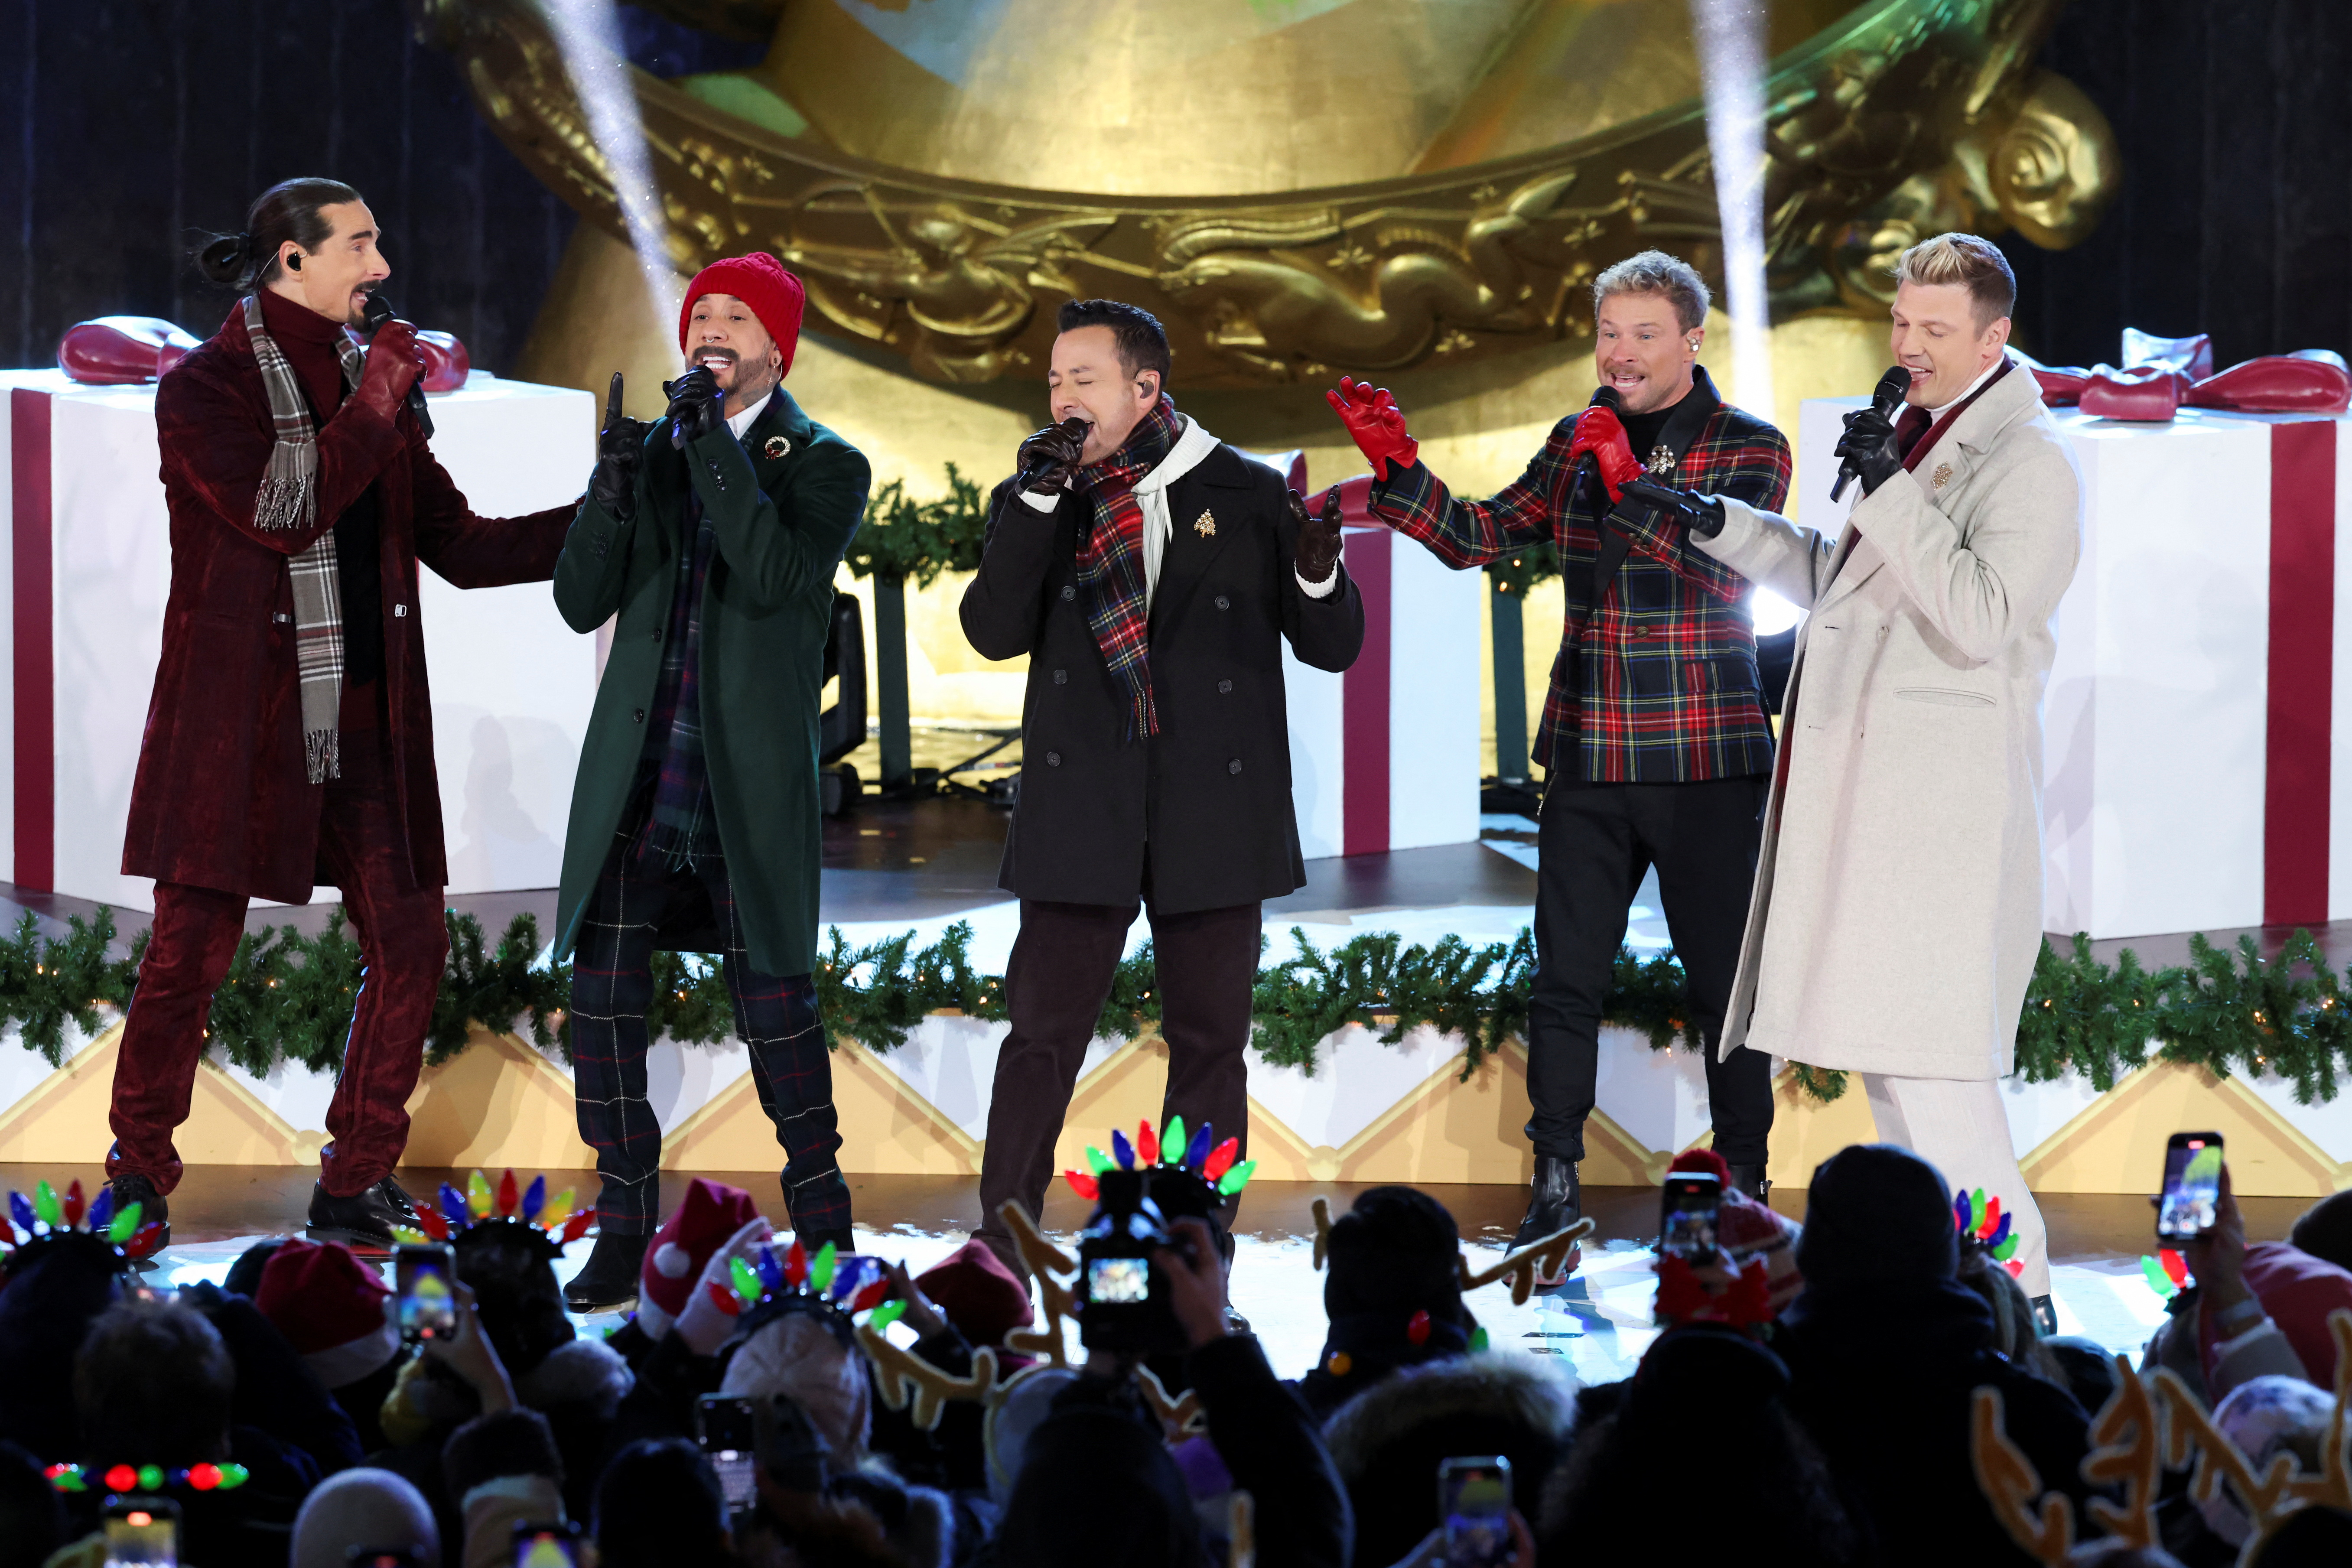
{"x":288,"y":998}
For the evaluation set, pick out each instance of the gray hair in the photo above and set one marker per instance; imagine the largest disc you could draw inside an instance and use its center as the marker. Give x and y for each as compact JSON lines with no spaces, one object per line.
{"x":1655,"y":272}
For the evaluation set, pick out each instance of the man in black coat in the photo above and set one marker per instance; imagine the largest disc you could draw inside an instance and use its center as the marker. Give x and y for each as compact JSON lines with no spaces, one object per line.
{"x":1151,"y":573}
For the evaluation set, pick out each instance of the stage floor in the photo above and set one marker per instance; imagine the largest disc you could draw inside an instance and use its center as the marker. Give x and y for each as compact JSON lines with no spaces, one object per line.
{"x":1601,"y":1322}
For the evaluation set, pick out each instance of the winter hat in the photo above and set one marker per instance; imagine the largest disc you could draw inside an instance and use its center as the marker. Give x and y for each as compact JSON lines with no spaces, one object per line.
{"x":1877,"y":1213}
{"x":799,"y":1354}
{"x":760,"y":281}
{"x":979,"y":1294}
{"x":1099,"y":1487}
{"x":330,"y":1305}
{"x":1746,"y":1228}
{"x":1396,"y":1250}
{"x":698,"y":1228}
{"x":370,"y":1506}
{"x":2264,"y":1417}
{"x":1025,"y":1404}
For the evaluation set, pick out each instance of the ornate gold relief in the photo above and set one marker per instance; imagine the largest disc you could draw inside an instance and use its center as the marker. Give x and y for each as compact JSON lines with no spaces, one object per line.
{"x":1904,"y":118}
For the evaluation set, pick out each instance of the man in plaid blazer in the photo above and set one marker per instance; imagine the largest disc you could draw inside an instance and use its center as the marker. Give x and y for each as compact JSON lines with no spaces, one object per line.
{"x":1654,"y":741}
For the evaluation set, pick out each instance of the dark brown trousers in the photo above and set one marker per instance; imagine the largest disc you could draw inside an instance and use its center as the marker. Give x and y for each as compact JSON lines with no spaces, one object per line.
{"x":1060,"y":976}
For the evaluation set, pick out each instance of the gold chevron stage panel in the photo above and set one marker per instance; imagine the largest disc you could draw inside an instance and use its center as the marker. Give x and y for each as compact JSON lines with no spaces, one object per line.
{"x":2117,"y":1144}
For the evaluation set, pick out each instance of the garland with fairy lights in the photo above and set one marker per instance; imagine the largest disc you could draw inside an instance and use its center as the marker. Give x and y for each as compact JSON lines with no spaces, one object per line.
{"x":288,"y":998}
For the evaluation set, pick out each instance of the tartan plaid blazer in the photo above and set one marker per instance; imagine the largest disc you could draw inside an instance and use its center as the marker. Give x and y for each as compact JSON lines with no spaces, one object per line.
{"x":1659,"y":684}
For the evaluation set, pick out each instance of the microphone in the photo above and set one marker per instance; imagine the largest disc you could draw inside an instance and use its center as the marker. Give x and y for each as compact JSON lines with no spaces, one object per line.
{"x":1605,"y":398}
{"x":1073,"y":426}
{"x":378,"y":311}
{"x":1883,"y":399}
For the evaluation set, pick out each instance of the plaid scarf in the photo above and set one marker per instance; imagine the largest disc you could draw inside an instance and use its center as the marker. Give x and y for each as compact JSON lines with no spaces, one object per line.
{"x":289,"y":498}
{"x":679,"y":829}
{"x":1110,"y":558}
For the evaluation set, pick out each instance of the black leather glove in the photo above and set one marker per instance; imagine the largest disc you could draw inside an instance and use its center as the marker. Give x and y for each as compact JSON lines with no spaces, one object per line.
{"x":1049,"y":458}
{"x":1870,"y":446}
{"x":695,"y":403}
{"x":1319,"y":537}
{"x":1686,"y":509}
{"x":620,"y":452}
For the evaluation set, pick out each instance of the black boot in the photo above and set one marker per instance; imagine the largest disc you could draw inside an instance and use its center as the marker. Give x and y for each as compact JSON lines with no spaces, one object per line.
{"x":1752,"y":1180}
{"x":609,"y":1282}
{"x":131,"y":1188}
{"x":1554,"y":1200}
{"x":364,"y":1220}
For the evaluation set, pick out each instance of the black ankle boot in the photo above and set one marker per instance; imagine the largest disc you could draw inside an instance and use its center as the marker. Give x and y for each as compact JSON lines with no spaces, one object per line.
{"x":1554,"y":1200}
{"x":132,"y":1188}
{"x":1752,"y":1180}
{"x":609,"y":1282}
{"x":363,"y":1221}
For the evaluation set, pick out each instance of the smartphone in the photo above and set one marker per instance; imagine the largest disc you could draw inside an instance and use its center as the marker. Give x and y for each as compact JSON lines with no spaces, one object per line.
{"x":383,"y":1557}
{"x":547,"y":1545}
{"x":142,"y":1532}
{"x":2191,"y":1195}
{"x":731,"y":1443}
{"x":424,"y":1280}
{"x":1473,"y":1504}
{"x":1686,"y":1212}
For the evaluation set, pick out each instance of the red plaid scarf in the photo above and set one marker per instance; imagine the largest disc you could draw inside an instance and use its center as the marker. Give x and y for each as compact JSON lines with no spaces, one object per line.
{"x":1110,"y":558}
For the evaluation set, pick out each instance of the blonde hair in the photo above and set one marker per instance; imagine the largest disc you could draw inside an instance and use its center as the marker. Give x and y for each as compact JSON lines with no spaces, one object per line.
{"x":1655,"y":272}
{"x":1973,"y":263}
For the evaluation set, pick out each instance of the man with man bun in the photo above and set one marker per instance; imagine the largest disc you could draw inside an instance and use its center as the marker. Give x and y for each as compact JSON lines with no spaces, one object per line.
{"x":290,"y":739}
{"x":713,"y":535}
{"x":1897,"y":912}
{"x":1655,"y":740}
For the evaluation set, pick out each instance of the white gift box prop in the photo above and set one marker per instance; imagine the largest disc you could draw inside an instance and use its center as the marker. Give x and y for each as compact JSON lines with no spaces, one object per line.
{"x":86,"y":573}
{"x":2194,"y":714}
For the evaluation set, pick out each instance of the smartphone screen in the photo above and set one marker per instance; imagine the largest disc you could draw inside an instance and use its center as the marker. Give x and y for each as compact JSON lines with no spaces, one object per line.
{"x":422,"y":1277}
{"x":142,"y":1532}
{"x":1474,"y":1503}
{"x":1117,"y":1281}
{"x":545,"y":1546}
{"x":731,"y":1442}
{"x":1686,"y":1216}
{"x":2191,"y":1194}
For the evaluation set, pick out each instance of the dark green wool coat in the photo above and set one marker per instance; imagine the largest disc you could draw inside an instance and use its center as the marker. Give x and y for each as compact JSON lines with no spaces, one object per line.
{"x":783,"y":521}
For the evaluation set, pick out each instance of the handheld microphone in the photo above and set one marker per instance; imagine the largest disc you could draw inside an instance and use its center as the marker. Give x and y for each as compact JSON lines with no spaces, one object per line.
{"x":1605,"y":398}
{"x":1883,"y":399}
{"x":378,"y":311}
{"x":1073,"y":426}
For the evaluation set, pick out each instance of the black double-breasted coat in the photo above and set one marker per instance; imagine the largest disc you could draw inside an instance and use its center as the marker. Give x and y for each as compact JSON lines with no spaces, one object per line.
{"x":1210,"y":795}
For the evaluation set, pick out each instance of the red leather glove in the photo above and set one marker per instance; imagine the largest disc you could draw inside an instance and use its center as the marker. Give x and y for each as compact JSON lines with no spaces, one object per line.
{"x":393,"y":363}
{"x":1598,"y":432}
{"x":1376,"y":422}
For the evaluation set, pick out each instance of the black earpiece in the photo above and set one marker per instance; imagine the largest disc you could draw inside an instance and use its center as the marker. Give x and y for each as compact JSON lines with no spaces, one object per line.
{"x":294,"y":264}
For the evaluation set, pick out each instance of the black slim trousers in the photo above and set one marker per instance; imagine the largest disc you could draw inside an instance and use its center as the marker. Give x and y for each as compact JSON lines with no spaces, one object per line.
{"x":1597,"y":841}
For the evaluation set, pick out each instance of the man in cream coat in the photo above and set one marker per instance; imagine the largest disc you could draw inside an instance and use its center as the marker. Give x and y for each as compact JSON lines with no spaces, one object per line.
{"x":1897,"y":909}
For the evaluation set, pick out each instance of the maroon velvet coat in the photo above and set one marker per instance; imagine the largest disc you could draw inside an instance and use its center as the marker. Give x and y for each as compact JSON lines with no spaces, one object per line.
{"x":222,"y":798}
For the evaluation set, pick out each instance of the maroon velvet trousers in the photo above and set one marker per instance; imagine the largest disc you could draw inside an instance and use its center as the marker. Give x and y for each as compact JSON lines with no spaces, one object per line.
{"x":403,"y":941}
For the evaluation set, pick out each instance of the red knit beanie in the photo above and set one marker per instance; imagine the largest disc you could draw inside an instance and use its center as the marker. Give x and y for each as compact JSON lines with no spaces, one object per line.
{"x":760,"y":281}
{"x":978,"y":1293}
{"x":330,"y":1305}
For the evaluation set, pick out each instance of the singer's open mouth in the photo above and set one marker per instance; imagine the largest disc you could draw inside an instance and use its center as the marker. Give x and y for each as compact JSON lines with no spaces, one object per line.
{"x":715,"y":360}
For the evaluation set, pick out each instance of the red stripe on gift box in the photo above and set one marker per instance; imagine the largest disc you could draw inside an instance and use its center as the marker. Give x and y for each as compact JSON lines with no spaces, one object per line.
{"x":2301,"y":661}
{"x":36,"y":732}
{"x":1364,"y":703}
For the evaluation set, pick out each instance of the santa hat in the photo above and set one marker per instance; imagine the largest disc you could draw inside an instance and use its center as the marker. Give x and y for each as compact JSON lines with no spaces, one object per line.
{"x":1746,"y":1229}
{"x":760,"y":281}
{"x":330,"y":1305}
{"x":712,"y":1213}
{"x":978,"y":1293}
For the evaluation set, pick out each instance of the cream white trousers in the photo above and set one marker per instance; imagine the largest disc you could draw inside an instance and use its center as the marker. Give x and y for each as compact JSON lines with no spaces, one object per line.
{"x":1961,"y":1127}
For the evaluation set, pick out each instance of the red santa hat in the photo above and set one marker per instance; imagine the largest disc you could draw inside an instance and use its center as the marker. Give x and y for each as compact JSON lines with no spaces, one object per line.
{"x":760,"y":281}
{"x":1749,"y":1229}
{"x":675,"y":1256}
{"x":977,"y":1294}
{"x":330,"y":1305}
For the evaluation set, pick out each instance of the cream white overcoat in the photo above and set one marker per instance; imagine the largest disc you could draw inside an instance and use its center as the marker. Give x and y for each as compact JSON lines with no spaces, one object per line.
{"x":1897,"y":907}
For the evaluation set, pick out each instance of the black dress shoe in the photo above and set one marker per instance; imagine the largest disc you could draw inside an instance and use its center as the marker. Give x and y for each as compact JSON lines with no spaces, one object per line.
{"x":1752,"y":1180}
{"x":609,"y":1282}
{"x":131,"y":1188}
{"x":364,"y":1219}
{"x":1554,"y":1200}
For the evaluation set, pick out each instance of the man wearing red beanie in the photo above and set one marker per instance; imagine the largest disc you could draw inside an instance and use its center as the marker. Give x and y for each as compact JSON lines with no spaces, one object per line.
{"x":713,"y":535}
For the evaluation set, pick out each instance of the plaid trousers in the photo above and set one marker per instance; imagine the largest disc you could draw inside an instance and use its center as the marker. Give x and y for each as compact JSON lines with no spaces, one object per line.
{"x":612,"y":983}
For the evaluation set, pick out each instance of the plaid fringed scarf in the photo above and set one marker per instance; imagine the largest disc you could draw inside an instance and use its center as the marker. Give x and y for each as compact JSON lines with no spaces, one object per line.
{"x":289,"y":498}
{"x":678,"y":830}
{"x":1111,"y":559}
